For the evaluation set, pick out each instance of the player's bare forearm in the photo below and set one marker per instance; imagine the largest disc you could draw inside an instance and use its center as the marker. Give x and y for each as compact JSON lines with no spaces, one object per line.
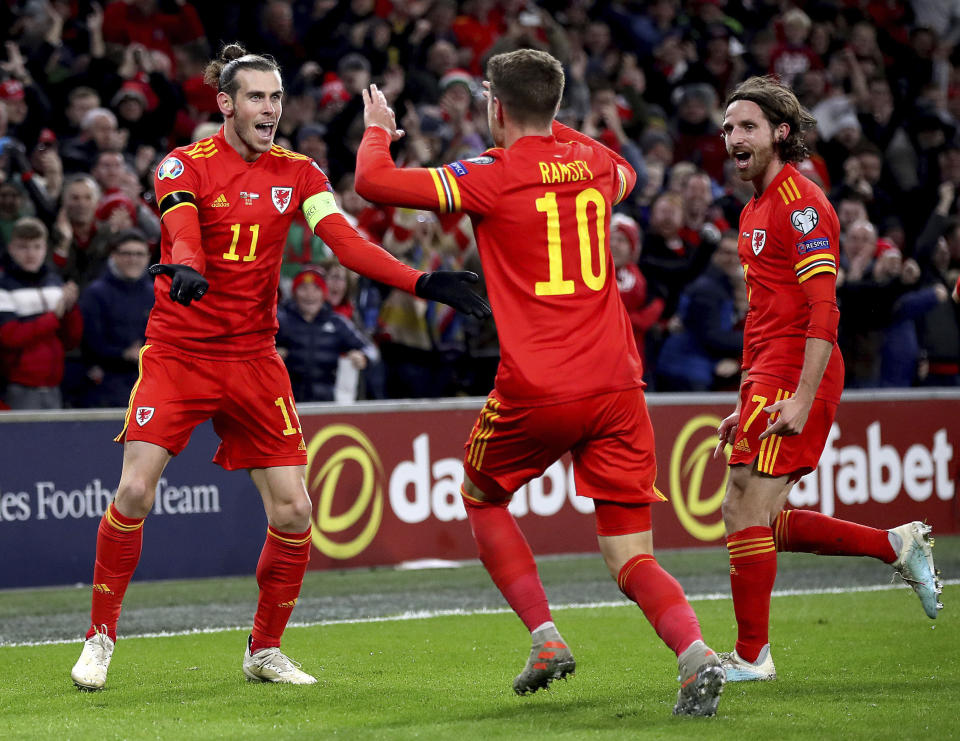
{"x":789,"y":416}
{"x":816,"y":355}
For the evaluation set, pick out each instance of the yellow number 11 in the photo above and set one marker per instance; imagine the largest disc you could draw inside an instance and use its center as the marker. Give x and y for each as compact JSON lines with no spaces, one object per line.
{"x":557,"y":285}
{"x":252,"y":254}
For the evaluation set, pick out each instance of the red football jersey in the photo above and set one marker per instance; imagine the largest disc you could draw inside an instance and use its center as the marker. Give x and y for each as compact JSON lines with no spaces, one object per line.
{"x":541,"y":213}
{"x":245,"y":211}
{"x":788,"y":236}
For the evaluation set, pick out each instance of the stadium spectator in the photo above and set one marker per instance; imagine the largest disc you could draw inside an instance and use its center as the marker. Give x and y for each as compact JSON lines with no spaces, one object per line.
{"x":39,"y":320}
{"x":900,"y":350}
{"x":82,"y":254}
{"x":13,"y":203}
{"x":793,"y":56}
{"x":625,"y":246}
{"x":80,"y":101}
{"x":99,"y":132}
{"x":668,"y":261}
{"x":28,"y":108}
{"x":47,"y":166}
{"x":313,"y":337}
{"x":115,"y":308}
{"x":155,"y":25}
{"x":703,"y":352}
{"x":938,"y":253}
{"x":698,"y":136}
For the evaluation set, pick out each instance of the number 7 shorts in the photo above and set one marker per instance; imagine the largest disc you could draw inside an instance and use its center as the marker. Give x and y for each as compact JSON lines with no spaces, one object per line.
{"x":609,"y":436}
{"x":791,"y":455}
{"x":249,"y":401}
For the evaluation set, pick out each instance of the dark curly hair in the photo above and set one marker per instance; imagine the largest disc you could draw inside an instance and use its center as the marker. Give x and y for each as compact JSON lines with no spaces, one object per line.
{"x":780,"y":105}
{"x":221,"y":73}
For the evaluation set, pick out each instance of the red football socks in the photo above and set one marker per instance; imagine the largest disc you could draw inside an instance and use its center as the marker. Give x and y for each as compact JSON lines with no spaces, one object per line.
{"x":662,"y":600}
{"x":753,"y":571}
{"x":119,"y":540}
{"x":283,"y":562}
{"x":506,"y":555}
{"x":803,"y":531}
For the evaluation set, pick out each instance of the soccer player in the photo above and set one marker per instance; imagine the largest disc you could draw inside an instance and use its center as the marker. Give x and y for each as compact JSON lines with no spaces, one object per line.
{"x":227,"y":203}
{"x":792,"y":377}
{"x":569,"y":376}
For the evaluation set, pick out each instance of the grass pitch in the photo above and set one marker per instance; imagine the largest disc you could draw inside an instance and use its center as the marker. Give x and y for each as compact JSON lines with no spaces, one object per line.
{"x":864,"y":665}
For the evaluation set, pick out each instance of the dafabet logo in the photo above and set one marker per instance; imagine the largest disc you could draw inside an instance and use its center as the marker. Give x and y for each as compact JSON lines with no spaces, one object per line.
{"x":697,"y":508}
{"x":348,"y":515}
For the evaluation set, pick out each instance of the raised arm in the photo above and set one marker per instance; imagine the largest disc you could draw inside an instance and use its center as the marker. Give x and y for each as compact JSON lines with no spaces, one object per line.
{"x":627,"y":174}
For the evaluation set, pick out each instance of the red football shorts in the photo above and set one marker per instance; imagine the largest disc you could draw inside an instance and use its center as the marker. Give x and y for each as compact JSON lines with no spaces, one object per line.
{"x":609,"y":436}
{"x":250,"y":402}
{"x":793,"y":455}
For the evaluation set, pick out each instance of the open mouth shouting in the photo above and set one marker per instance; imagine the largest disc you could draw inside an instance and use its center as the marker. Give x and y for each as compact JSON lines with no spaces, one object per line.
{"x":265,"y":130}
{"x":742,"y":159}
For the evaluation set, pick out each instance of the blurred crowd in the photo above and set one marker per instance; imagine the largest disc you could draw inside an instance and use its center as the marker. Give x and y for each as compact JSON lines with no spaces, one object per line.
{"x":91,"y":97}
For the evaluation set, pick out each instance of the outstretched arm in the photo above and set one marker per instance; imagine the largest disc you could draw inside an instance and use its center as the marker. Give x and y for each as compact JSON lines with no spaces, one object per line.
{"x":362,"y":256}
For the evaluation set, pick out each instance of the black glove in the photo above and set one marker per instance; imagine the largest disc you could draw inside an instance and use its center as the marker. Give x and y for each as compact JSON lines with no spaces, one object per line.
{"x":186,"y":284}
{"x":450,"y":287}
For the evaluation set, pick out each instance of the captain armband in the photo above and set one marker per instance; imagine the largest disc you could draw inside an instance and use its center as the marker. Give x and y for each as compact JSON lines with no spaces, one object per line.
{"x":318,"y":206}
{"x":176,"y":199}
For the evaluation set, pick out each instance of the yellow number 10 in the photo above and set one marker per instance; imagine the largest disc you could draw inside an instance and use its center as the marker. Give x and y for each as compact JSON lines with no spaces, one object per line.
{"x":252,"y":254}
{"x":557,"y":285}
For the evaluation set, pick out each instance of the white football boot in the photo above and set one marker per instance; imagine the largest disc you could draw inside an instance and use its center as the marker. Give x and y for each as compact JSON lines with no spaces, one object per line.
{"x":90,"y":671}
{"x":271,"y":665}
{"x":915,"y":564}
{"x":741,"y":670}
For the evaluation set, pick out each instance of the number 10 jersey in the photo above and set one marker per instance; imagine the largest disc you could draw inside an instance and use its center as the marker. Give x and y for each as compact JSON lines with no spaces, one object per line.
{"x":541,"y":213}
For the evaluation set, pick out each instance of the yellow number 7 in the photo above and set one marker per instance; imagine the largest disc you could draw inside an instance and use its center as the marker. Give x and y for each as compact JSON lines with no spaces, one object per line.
{"x":761,"y":403}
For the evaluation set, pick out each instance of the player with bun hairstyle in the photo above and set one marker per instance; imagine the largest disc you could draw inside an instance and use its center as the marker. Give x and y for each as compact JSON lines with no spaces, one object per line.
{"x":226,"y":204}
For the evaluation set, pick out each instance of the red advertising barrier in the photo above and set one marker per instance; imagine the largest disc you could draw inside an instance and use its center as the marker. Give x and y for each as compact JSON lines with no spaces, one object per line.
{"x":385,"y":478}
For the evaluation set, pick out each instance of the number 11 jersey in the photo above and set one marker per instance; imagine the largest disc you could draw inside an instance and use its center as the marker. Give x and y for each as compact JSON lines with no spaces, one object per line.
{"x":245,"y":211}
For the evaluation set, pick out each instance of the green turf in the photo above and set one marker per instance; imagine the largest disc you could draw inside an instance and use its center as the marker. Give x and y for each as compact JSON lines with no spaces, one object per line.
{"x":865,"y":665}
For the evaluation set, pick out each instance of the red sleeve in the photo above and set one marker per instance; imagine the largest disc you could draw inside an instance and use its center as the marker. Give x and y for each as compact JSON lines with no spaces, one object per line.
{"x":470,"y":185}
{"x":379,"y":180}
{"x":812,"y":224}
{"x":176,"y":184}
{"x":821,"y":295}
{"x":627,"y":175}
{"x":183,"y":226}
{"x":361,"y":256}
{"x":71,"y":328}
{"x":20,"y":333}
